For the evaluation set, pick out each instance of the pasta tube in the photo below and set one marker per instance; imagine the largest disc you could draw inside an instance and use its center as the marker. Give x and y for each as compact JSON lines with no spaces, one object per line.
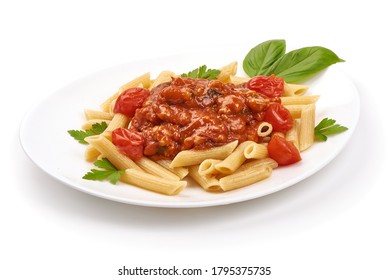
{"x":152,"y":182}
{"x":234,"y":160}
{"x":307,"y":127}
{"x":193,"y":157}
{"x":163,"y":77}
{"x":227,"y":71}
{"x":154,"y":168}
{"x":294,"y":89}
{"x":244,"y":178}
{"x":118,"y":120}
{"x":208,"y":183}
{"x":264,"y":129}
{"x":181,"y":172}
{"x":236,"y":80}
{"x":293,"y":134}
{"x":255,"y":151}
{"x":94,"y":114}
{"x":90,"y":123}
{"x":295,"y":110}
{"x":109,"y":150}
{"x":91,"y":154}
{"x":208,"y":167}
{"x":299,"y":100}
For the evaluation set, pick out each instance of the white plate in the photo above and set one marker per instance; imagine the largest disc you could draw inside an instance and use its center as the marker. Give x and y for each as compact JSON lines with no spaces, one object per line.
{"x":44,"y":137}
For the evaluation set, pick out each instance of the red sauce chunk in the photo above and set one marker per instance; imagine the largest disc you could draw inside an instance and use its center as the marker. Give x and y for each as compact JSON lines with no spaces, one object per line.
{"x":198,"y":114}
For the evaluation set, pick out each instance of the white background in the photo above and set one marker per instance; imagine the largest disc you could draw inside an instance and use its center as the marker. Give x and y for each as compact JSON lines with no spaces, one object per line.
{"x":330,"y":226}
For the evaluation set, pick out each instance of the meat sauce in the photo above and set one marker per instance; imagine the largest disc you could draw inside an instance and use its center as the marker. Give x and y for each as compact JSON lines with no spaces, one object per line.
{"x":191,"y":113}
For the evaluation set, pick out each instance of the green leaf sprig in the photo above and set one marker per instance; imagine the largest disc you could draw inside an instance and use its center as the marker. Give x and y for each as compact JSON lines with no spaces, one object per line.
{"x":295,"y":66}
{"x":327,"y":127}
{"x":80,"y":135}
{"x":263,"y":56}
{"x":203,"y":73}
{"x":108,"y":172}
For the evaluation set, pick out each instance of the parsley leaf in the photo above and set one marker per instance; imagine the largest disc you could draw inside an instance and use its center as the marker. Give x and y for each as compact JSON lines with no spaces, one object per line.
{"x":327,"y":127}
{"x":109,"y":172}
{"x":80,"y":135}
{"x":202,"y":72}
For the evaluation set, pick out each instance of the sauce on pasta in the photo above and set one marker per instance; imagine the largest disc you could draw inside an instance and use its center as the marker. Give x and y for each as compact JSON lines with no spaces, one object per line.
{"x":191,"y":113}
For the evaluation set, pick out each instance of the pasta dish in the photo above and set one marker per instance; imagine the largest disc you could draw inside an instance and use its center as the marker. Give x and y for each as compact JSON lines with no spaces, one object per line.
{"x":225,"y":133}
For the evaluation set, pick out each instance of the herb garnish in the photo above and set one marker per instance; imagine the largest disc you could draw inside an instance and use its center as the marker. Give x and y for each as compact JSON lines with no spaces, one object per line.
{"x":298,"y":65}
{"x":80,"y":135}
{"x":202,"y":72}
{"x":109,"y":172}
{"x":327,"y":127}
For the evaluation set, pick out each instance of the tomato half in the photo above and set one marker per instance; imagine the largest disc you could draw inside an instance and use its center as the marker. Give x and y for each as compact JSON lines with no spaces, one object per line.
{"x":279,"y":117}
{"x":282,"y":151}
{"x":129,"y":142}
{"x":271,"y":86}
{"x":130,"y":100}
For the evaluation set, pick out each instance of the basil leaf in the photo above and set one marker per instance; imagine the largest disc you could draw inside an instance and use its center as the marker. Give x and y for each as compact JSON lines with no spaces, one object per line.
{"x":261,"y":57}
{"x":301,"y":64}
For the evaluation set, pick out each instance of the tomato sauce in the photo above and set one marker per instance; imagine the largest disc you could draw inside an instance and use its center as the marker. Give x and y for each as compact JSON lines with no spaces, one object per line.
{"x":198,"y":114}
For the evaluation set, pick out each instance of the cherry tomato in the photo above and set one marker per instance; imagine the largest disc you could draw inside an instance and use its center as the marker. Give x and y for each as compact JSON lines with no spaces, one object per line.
{"x":279,"y":117}
{"x":129,"y":142}
{"x":282,"y":151}
{"x":271,"y":86}
{"x":130,"y":100}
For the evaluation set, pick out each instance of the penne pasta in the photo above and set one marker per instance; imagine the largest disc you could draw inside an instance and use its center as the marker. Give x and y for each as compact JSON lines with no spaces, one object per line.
{"x":88,"y":124}
{"x":94,"y":114}
{"x":258,"y":163}
{"x":294,"y":89}
{"x":109,"y":150}
{"x":163,"y":77}
{"x":181,"y":172}
{"x":227,"y":71}
{"x":106,"y":105}
{"x":118,"y":120}
{"x":244,"y":178}
{"x":143,"y":80}
{"x":255,"y":151}
{"x":112,"y":107}
{"x":155,"y":169}
{"x":307,"y":127}
{"x":207,"y":167}
{"x":151,"y":182}
{"x":295,"y":110}
{"x":91,"y":154}
{"x":299,"y":100}
{"x":236,"y":80}
{"x":208,"y":183}
{"x":293,"y":134}
{"x":234,"y":160}
{"x":264,"y":129}
{"x":193,"y":157}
